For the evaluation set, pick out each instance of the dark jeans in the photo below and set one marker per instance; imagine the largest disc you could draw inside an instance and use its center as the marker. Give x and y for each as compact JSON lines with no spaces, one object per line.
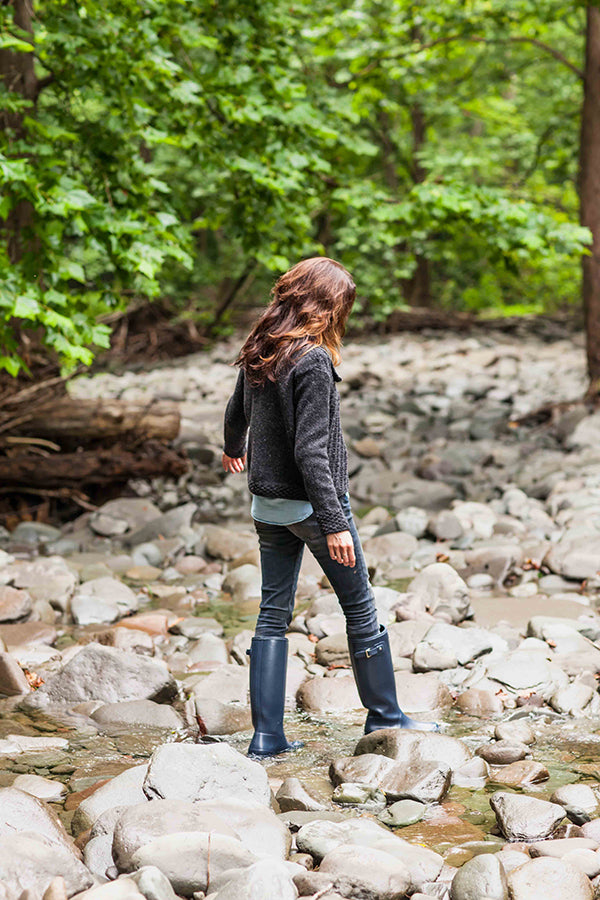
{"x":281,"y":549}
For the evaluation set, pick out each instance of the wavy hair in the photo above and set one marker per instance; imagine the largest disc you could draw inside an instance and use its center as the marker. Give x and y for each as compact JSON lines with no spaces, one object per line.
{"x":310,"y":307}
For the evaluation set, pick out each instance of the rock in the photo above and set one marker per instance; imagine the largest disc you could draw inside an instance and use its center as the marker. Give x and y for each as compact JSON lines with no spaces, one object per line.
{"x":413,"y":520}
{"x":523,"y":818}
{"x":103,"y":673}
{"x":196,"y":626}
{"x":502,"y":753}
{"x":323,"y":695}
{"x":333,"y":650}
{"x":466,"y":644}
{"x":204,"y":772}
{"x":222,"y":718}
{"x":224,"y":544}
{"x":521,"y":773}
{"x":194,"y":860}
{"x":35,"y":533}
{"x":124,"y":789}
{"x":482,"y":876}
{"x":479,"y":702}
{"x":26,"y":634}
{"x":42,"y":788}
{"x":423,"y":864}
{"x":528,"y":670}
{"x":257,"y":825}
{"x":138,"y":825}
{"x":22,"y":812}
{"x":494,"y":558}
{"x":390,"y":547}
{"x":359,"y":795}
{"x":472,"y":774}
{"x":208,"y":648}
{"x":404,"y":636}
{"x":551,"y":879}
{"x":586,"y":861}
{"x":439,"y":590}
{"x":517,"y":730}
{"x":558,"y":848}
{"x":29,"y":862}
{"x":320,"y":837}
{"x":402,"y":813}
{"x":14,"y":604}
{"x":12,"y":678}
{"x":97,"y":856}
{"x":576,"y":558}
{"x":243,"y":582}
{"x":260,"y":881}
{"x":116,"y":517}
{"x":102,"y":600}
{"x":228,"y":683}
{"x":46,"y":579}
{"x":23,"y":743}
{"x":413,"y":746}
{"x":578,"y":800}
{"x":152,"y":883}
{"x":138,"y":712}
{"x":293,"y":795}
{"x":167,"y":525}
{"x":419,"y":693}
{"x":511,"y":859}
{"x":429,"y":657}
{"x":427,"y":782}
{"x":572,"y":699}
{"x":445,"y":526}
{"x":362,"y":872}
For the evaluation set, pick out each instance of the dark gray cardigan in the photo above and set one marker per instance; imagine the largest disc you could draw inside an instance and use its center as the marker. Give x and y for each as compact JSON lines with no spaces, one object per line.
{"x":295,"y":448}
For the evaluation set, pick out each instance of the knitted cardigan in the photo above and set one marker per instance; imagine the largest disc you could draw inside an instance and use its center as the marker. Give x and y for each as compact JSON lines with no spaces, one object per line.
{"x":295,"y":444}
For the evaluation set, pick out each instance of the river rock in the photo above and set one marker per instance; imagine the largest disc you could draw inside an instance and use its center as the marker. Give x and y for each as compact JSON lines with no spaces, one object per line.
{"x":193,"y":861}
{"x":14,"y":604}
{"x":29,"y":862}
{"x":439,"y":590}
{"x":243,"y":583}
{"x":140,"y":824}
{"x":419,"y":693}
{"x":333,"y":650}
{"x":424,"y":865}
{"x":482,"y":876}
{"x":557,"y":849}
{"x":479,"y":702}
{"x":221,"y":543}
{"x":413,"y":746}
{"x":402,"y":813}
{"x":363,"y":872}
{"x":222,"y":718}
{"x":229,"y":684}
{"x":390,"y":547}
{"x":43,"y":788}
{"x":528,"y":670}
{"x":167,"y":525}
{"x":551,"y":879}
{"x":572,"y":699}
{"x":423,"y":780}
{"x":502,"y":753}
{"x":116,"y":517}
{"x":521,"y":773}
{"x":293,"y":795}
{"x":124,"y":789}
{"x":151,"y":883}
{"x":47,"y":579}
{"x":578,"y":800}
{"x":257,"y":826}
{"x":208,"y":648}
{"x":467,"y":644}
{"x":22,"y":812}
{"x":524,"y":818}
{"x":260,"y":881}
{"x":574,"y":558}
{"x":102,"y":600}
{"x":103,"y":673}
{"x":204,"y":772}
{"x":516,"y":730}
{"x":404,"y":636}
{"x":324,"y":695}
{"x":138,"y":712}
{"x":320,"y":837}
{"x":12,"y":677}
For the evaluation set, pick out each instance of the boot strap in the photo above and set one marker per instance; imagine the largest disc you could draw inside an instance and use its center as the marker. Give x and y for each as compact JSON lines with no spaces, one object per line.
{"x":368,"y":652}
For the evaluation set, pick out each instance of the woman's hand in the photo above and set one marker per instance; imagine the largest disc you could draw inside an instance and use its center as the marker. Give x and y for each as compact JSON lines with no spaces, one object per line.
{"x":233,"y":464}
{"x":341,"y":548}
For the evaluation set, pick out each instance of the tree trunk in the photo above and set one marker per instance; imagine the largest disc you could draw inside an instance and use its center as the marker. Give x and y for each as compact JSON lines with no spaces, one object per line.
{"x":417,"y":289}
{"x":589,"y":192}
{"x":18,"y":74}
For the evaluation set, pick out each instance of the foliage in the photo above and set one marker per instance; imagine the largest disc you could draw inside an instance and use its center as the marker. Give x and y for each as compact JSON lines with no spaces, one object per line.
{"x":186,"y":146}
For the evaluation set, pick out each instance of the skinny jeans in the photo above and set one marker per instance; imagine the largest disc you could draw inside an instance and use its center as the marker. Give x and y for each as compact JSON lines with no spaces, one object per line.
{"x":281,"y":550}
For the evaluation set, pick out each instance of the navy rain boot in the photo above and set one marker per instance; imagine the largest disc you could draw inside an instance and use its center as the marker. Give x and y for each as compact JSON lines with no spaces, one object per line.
{"x":374,"y":673}
{"x":268,"y":659}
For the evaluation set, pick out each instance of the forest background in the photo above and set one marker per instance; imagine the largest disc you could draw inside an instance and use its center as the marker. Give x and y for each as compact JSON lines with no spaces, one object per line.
{"x":190,"y":150}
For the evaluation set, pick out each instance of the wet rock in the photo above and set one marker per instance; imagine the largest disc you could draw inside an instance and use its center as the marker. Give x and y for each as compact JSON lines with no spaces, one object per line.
{"x":22,"y":812}
{"x":40,"y":787}
{"x":526,"y":670}
{"x":421,"y":693}
{"x":260,"y":881}
{"x":502,"y":753}
{"x":558,"y":848}
{"x":30,"y":861}
{"x":258,"y":827}
{"x":521,"y":773}
{"x":412,"y":746}
{"x":359,"y":795}
{"x":333,"y":650}
{"x":572,"y":699}
{"x":551,"y":879}
{"x":12,"y":678}
{"x":204,"y":772}
{"x":140,"y":824}
{"x":322,"y":695}
{"x":402,"y":813}
{"x":482,"y":876}
{"x":102,"y":600}
{"x":293,"y":795}
{"x":124,"y":789}
{"x":138,"y":712}
{"x":439,"y":590}
{"x":427,"y":782}
{"x":194,"y":860}
{"x":472,"y":774}
{"x":363,"y":872}
{"x":523,"y":818}
{"x":320,"y":837}
{"x":14,"y":604}
{"x":479,"y":702}
{"x":423,"y":864}
{"x":517,"y":730}
{"x":103,"y":673}
{"x":578,"y":800}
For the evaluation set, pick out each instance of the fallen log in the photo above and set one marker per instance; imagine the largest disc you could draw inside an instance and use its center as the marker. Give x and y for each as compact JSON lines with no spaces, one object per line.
{"x":81,"y":422}
{"x":102,"y":466}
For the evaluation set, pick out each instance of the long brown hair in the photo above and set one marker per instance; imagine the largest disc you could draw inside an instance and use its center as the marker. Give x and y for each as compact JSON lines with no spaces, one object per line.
{"x":310,"y":307}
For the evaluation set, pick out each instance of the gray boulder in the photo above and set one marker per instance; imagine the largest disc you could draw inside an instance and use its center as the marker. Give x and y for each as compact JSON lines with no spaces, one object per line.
{"x":320,"y":837}
{"x":439,"y":590}
{"x":551,"y":879}
{"x":123,"y":790}
{"x":30,"y":862}
{"x":138,"y":712}
{"x":578,"y":800}
{"x":363,"y":872}
{"x":102,"y":600}
{"x":260,"y":881}
{"x":103,"y":673}
{"x":414,"y":746}
{"x":204,"y":772}
{"x":524,"y":818}
{"x":482,"y":876}
{"x":424,"y":865}
{"x":21,"y":812}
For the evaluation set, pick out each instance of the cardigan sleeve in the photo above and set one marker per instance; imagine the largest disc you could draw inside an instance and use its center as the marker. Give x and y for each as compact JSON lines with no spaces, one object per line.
{"x":312,"y":397}
{"x":235,"y":425}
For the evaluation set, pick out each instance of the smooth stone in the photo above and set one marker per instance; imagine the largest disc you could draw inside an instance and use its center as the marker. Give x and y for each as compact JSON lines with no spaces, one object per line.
{"x":124,"y":789}
{"x":482,"y":876}
{"x":48,"y":579}
{"x":502,"y":753}
{"x":413,"y":520}
{"x":362,"y":872}
{"x":472,"y":774}
{"x":221,"y":543}
{"x":324,"y":695}
{"x":579,"y":800}
{"x":293,"y":795}
{"x":572,"y":699}
{"x":439,"y":590}
{"x":29,"y":862}
{"x":426,"y":781}
{"x":194,"y":860}
{"x":243,"y":583}
{"x":261,"y":881}
{"x":402,"y":813}
{"x":208,"y":647}
{"x":115,"y":517}
{"x":14,"y":604}
{"x":333,"y":650}
{"x":227,"y":683}
{"x":152,"y":883}
{"x":421,"y":693}
{"x":22,"y":634}
{"x":107,"y":674}
{"x":138,"y":825}
{"x":423,"y":864}
{"x":524,"y":818}
{"x":557,"y":848}
{"x":406,"y":746}
{"x":138,"y":712}
{"x":167,"y":525}
{"x":12,"y":678}
{"x":515,"y":731}
{"x":586,"y":861}
{"x":574,"y":559}
{"x":219,"y":718}
{"x":22,"y":812}
{"x":521,"y":773}
{"x":512,"y":859}
{"x":204,"y":772}
{"x":551,"y":879}
{"x":467,"y":644}
{"x":97,"y":855}
{"x":404,"y":636}
{"x":479,"y":702}
{"x":259,"y":828}
{"x":40,"y":787}
{"x":353,"y":794}
{"x":320,"y":837}
{"x":102,"y":600}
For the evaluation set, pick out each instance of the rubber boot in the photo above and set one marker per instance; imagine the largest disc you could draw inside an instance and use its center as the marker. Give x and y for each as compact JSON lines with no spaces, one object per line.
{"x":374,"y":673}
{"x":268,"y":659}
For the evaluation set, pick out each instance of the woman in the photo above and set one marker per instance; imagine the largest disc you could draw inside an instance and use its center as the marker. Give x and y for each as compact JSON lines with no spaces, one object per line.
{"x":286,"y":405}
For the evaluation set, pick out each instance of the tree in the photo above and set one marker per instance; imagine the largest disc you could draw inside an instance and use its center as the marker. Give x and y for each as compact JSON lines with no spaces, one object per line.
{"x":589,"y":190}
